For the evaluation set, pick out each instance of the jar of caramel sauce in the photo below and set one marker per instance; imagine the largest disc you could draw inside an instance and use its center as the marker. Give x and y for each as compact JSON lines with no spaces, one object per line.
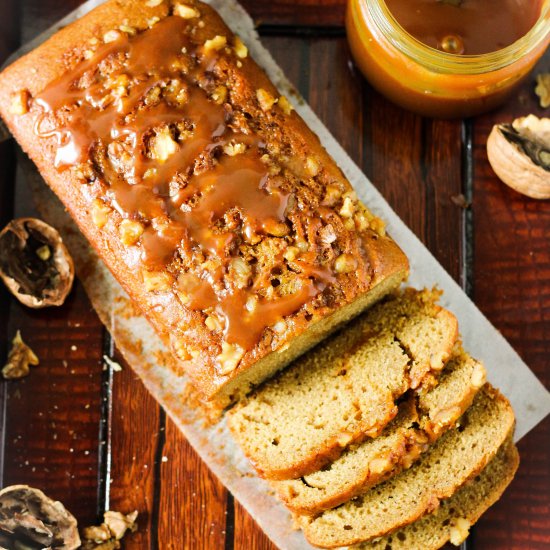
{"x":447,"y":58}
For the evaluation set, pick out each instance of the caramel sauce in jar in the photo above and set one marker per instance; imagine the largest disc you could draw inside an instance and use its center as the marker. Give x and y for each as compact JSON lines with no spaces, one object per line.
{"x":447,"y":58}
{"x":140,"y":114}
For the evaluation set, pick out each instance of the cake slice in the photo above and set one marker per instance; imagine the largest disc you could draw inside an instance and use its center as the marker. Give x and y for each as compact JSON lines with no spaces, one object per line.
{"x":203,"y":191}
{"x":457,"y":457}
{"x":423,"y":417}
{"x":454,"y":517}
{"x":344,"y":390}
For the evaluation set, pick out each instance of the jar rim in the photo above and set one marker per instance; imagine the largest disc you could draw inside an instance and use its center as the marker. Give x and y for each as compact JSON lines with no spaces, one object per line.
{"x":443,"y":62}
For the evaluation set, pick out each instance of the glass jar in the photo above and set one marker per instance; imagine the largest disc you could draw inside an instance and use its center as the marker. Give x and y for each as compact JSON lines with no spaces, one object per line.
{"x":431,"y":82}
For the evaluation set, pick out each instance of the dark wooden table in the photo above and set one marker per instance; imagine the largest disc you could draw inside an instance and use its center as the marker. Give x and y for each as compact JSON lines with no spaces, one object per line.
{"x":93,"y":439}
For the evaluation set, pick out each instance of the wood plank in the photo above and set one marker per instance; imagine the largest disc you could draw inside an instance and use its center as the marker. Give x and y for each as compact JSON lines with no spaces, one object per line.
{"x":192,"y":500}
{"x":135,"y":424}
{"x":512,"y":287}
{"x":305,"y":13}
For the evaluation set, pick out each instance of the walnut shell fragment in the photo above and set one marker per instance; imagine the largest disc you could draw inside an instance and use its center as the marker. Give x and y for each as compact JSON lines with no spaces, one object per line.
{"x":20,"y":358}
{"x":31,"y":520}
{"x":35,"y":265}
{"x":520,"y":155}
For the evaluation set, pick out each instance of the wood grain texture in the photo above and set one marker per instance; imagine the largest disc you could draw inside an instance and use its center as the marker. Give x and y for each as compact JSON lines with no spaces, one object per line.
{"x":303,"y":13}
{"x":417,"y":165}
{"x":512,"y":287}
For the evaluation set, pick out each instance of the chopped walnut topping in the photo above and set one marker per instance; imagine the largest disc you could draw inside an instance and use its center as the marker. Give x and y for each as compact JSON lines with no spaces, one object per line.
{"x":215,"y":44}
{"x":543,"y":89}
{"x":128,"y":30}
{"x":348,"y":207}
{"x":265,"y":99}
{"x":100,"y":213}
{"x":285,"y":105}
{"x":213,"y":323}
{"x":186,"y":12}
{"x":229,"y":358}
{"x":19,"y":359}
{"x":163,"y":146}
{"x":156,"y":281}
{"x":130,"y":232}
{"x":20,"y":102}
{"x":345,"y":263}
{"x":276,"y":229}
{"x":240,"y":49}
{"x":153,"y":3}
{"x":312,"y":166}
{"x":111,"y":36}
{"x":291,"y":253}
{"x":459,"y":531}
{"x":279,"y":327}
{"x":220,"y":95}
{"x":241,"y":272}
{"x":332,"y":195}
{"x":153,"y":21}
{"x":234,"y":149}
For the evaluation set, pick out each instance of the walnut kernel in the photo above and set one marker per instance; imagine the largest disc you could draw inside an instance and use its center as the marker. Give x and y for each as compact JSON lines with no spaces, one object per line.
{"x":19,"y":359}
{"x":20,"y":102}
{"x":229,"y":358}
{"x":130,"y":232}
{"x":265,"y":99}
{"x":459,"y":531}
{"x":186,"y":12}
{"x":285,"y":105}
{"x":111,"y":36}
{"x":163,"y":146}
{"x":156,"y":281}
{"x":345,"y":263}
{"x":240,"y":49}
{"x":100,"y":213}
{"x":215,"y":44}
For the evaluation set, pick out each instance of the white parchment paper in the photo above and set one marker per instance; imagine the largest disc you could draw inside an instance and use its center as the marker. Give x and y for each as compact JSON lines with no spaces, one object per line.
{"x":146,"y":354}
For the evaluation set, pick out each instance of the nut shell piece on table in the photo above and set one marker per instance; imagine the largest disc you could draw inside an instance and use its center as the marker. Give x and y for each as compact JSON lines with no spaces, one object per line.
{"x":27,"y":514}
{"x":520,"y":155}
{"x":35,"y":265}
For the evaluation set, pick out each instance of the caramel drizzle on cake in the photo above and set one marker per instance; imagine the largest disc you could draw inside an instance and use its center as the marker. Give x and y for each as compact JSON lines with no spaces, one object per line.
{"x":183,"y":179}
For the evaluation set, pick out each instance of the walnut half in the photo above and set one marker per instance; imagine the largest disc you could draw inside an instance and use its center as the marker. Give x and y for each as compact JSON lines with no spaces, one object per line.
{"x":35,"y":265}
{"x":520,"y":155}
{"x":29,"y":519}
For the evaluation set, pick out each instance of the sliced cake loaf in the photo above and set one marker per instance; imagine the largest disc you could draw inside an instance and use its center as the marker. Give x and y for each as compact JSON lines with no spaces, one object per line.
{"x":345,"y":389}
{"x":451,"y":522}
{"x":422,"y":418}
{"x":456,"y":457}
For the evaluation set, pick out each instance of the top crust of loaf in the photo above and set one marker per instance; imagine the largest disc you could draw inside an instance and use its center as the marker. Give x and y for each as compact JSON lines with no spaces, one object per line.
{"x":355,"y":237}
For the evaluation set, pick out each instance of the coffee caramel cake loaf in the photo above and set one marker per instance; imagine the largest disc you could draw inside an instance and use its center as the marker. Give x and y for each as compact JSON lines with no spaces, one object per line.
{"x":205,"y":194}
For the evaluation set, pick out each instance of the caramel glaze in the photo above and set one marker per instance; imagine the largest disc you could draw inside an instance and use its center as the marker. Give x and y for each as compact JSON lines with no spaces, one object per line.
{"x":180,"y":199}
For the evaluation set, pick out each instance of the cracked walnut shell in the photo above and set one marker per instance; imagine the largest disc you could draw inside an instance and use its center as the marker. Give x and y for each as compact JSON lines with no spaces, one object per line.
{"x":35,"y":265}
{"x":28,"y":514}
{"x":520,"y":155}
